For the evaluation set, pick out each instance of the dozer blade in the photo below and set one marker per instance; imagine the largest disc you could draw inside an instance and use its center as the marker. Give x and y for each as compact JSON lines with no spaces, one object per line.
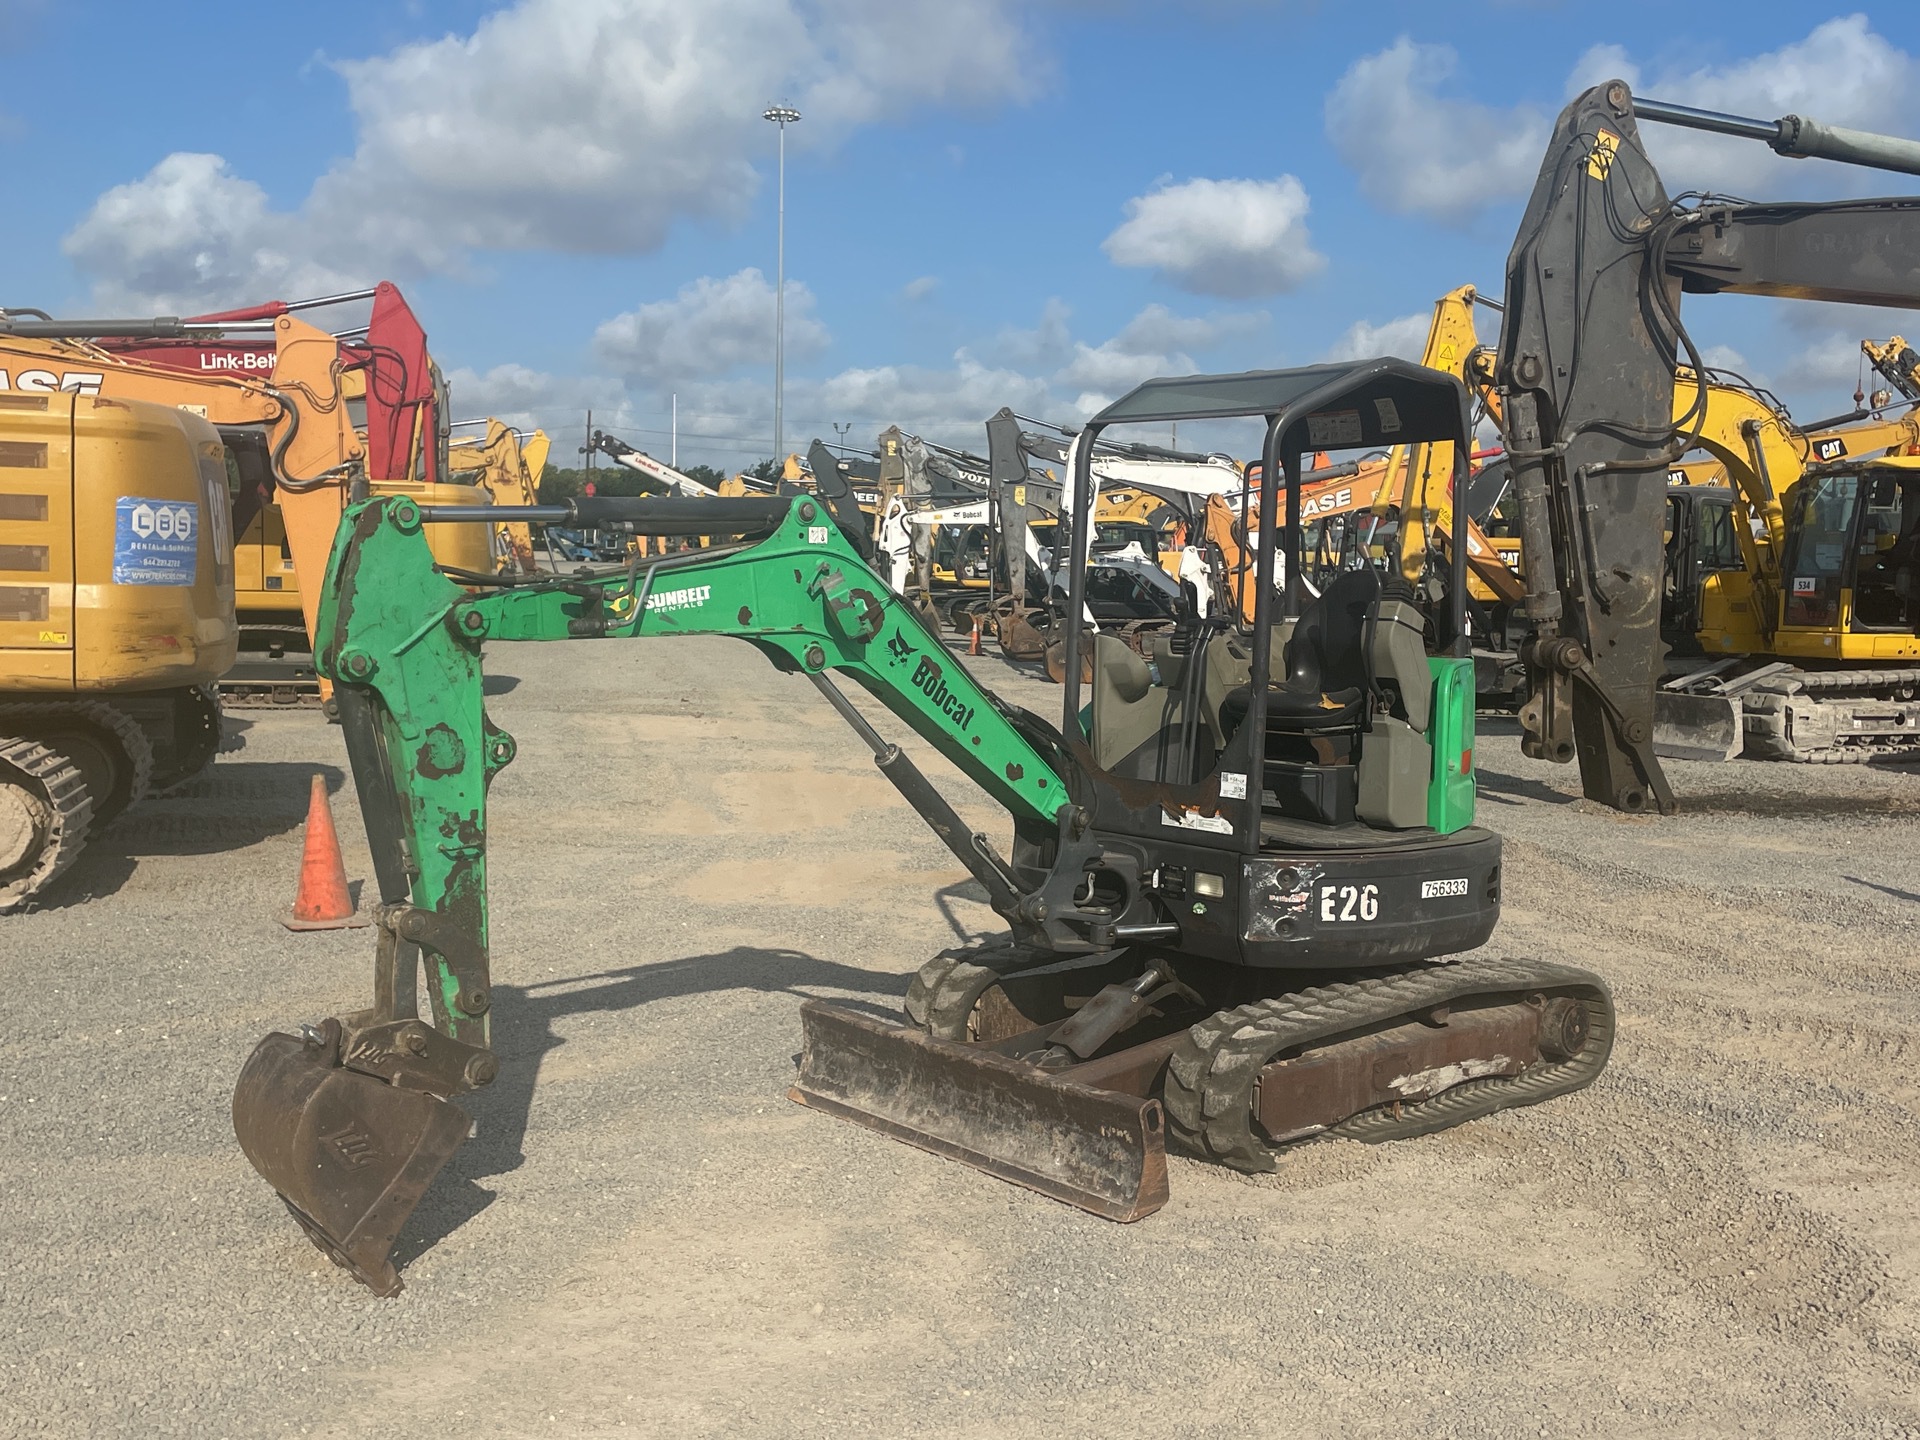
{"x":350,"y":1155}
{"x":1696,"y":727}
{"x":1098,"y":1149}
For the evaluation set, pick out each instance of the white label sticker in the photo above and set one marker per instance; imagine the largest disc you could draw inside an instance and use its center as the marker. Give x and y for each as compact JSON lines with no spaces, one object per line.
{"x":1188,"y":820}
{"x":1805,"y":584}
{"x":1233,"y":785}
{"x":1389,"y":414}
{"x":816,"y":535}
{"x":1434,"y":889}
{"x":1332,"y":428}
{"x":690,"y":598}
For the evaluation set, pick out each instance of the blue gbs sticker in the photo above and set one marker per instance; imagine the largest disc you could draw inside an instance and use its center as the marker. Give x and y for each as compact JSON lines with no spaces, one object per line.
{"x":155,"y":542}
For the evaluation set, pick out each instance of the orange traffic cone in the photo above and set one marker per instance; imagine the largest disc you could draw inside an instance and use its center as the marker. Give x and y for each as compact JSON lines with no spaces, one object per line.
{"x":324,"y":902}
{"x":973,"y":646}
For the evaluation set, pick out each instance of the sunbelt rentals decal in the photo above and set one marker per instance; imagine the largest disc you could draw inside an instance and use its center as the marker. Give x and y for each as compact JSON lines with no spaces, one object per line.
{"x":691,"y":598}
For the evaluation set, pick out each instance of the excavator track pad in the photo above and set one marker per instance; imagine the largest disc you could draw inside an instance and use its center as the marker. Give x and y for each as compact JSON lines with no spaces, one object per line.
{"x":1100,"y":1150}
{"x":350,"y":1154}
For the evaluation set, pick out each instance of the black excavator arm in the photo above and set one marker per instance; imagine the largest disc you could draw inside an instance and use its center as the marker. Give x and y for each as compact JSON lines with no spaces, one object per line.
{"x":1591,"y":334}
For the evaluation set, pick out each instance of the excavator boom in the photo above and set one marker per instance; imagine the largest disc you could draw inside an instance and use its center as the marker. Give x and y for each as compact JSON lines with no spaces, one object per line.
{"x":404,"y":643}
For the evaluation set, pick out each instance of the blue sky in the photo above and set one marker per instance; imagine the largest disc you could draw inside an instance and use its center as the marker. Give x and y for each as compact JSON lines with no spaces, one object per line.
{"x":988,"y":201}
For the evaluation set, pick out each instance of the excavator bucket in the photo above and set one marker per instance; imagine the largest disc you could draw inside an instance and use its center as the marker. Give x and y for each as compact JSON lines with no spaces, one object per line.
{"x":1100,"y":1150}
{"x":1696,"y":727}
{"x":350,"y":1155}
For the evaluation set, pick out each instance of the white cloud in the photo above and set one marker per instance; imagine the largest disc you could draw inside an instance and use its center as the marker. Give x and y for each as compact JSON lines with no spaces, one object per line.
{"x":1842,"y":73}
{"x":1405,"y":336}
{"x":1154,"y":342}
{"x":1724,"y":357}
{"x":190,"y":233}
{"x":569,"y":125}
{"x":1232,"y":238}
{"x":920,"y":289}
{"x":1420,"y":152}
{"x":1157,"y":330}
{"x":710,"y":327}
{"x":1416,"y":150}
{"x":727,"y":420}
{"x":1049,"y":343}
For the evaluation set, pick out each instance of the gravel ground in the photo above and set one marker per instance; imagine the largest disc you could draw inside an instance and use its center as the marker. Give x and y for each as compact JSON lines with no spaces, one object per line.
{"x":1717,"y":1238}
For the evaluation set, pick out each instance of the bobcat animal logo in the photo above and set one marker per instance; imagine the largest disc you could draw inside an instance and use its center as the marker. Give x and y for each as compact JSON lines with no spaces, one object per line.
{"x":354,"y":1147}
{"x":898,"y":649}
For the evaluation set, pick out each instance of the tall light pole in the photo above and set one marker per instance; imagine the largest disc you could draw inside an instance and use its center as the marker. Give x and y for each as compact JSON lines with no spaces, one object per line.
{"x":783,"y":116}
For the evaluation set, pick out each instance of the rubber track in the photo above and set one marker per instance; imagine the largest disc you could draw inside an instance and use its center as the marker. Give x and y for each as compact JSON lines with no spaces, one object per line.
{"x":59,"y":784}
{"x":943,"y":995}
{"x":1211,"y":1077}
{"x":44,"y":720}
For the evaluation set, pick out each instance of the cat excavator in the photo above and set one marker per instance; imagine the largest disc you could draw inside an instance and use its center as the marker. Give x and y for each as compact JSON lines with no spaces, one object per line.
{"x":1777,"y":673}
{"x":1590,"y":341}
{"x":1231,"y":880}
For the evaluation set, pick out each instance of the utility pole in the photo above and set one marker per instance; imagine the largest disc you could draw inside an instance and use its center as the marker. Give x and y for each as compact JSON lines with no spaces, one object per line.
{"x":840,"y":432}
{"x":673,"y":457}
{"x":783,"y":116}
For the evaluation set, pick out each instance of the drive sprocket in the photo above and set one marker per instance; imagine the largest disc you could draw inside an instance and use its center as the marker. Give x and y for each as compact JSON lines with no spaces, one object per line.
{"x":196,"y":735}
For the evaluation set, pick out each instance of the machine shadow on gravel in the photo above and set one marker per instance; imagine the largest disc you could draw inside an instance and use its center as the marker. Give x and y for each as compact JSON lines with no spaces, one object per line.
{"x":524,"y":1034}
{"x":1513,"y":790}
{"x":226,"y":808}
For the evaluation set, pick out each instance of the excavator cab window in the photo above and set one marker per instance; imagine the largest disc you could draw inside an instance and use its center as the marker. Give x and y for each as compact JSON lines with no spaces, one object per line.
{"x":1820,"y":515}
{"x":1716,"y":544}
{"x":1887,"y":555}
{"x":1854,"y":534}
{"x":1330,"y":707}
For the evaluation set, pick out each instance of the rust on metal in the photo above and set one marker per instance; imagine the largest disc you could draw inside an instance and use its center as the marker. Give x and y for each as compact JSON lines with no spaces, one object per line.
{"x":1304,"y":1094}
{"x":1100,"y":1150}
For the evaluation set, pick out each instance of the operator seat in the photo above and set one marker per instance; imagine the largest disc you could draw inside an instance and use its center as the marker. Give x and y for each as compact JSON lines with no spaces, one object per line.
{"x":1329,"y":678}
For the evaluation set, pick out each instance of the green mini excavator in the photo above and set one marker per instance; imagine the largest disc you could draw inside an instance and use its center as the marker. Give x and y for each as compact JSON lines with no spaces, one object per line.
{"x":1239,"y":866}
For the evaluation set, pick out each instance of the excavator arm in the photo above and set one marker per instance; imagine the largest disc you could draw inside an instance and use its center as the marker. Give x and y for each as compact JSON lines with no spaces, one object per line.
{"x":403,"y":644}
{"x":1588,"y":347}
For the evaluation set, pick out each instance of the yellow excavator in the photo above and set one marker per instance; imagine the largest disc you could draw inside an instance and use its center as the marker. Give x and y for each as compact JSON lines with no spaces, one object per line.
{"x":1793,"y":587}
{"x":116,"y":614}
{"x":506,"y":464}
{"x":303,"y":415}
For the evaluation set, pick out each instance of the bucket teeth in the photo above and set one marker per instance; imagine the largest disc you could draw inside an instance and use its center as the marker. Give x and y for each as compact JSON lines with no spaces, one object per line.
{"x":1100,"y":1150}
{"x":349,"y":1154}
